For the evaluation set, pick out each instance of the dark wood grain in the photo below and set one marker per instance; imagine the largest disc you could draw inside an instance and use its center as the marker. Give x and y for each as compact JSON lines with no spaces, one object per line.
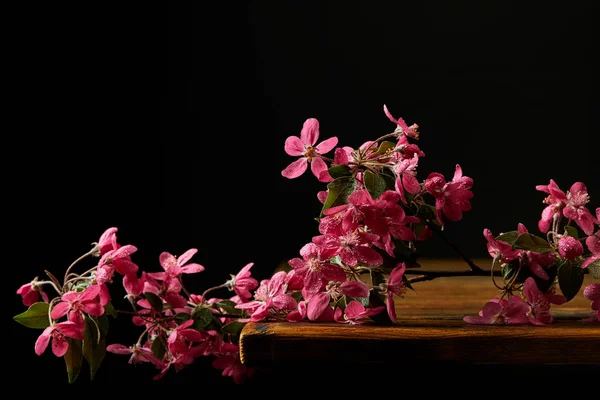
{"x":430,"y":329}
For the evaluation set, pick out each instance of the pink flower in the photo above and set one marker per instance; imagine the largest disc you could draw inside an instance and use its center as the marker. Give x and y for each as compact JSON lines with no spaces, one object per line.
{"x":352,"y":247}
{"x":304,"y":146}
{"x":355,"y":313}
{"x":395,"y":286}
{"x":106,"y":243}
{"x":174,"y":266}
{"x":410,"y":131}
{"x":138,"y":353}
{"x":499,"y":249}
{"x":512,"y":311}
{"x":571,"y":204}
{"x":451,"y":198}
{"x":179,"y":362}
{"x":317,"y":305}
{"x":58,"y":333}
{"x":119,"y":260}
{"x":314,"y":267}
{"x":243,"y":282}
{"x":540,"y":303}
{"x":575,"y":210}
{"x":77,"y":303}
{"x":270,"y":300}
{"x":229,"y":362}
{"x":592,"y":293}
{"x":593,"y":244}
{"x":178,"y":336}
{"x":406,"y":172}
{"x":569,"y":248}
{"x":31,"y":292}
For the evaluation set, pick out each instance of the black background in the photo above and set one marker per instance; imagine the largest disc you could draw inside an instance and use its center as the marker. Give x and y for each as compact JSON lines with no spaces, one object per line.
{"x":170,"y":125}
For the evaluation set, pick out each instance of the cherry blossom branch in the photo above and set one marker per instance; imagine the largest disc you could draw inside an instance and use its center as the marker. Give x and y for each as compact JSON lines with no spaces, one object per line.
{"x":89,"y":253}
{"x":431,"y":275}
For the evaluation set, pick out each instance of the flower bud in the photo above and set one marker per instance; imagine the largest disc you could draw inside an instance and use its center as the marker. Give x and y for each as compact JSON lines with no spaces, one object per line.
{"x":569,"y":248}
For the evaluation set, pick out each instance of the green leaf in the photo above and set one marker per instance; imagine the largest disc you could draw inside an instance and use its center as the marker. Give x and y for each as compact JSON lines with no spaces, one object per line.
{"x":527,"y":241}
{"x":35,"y":317}
{"x":509,"y":270}
{"x":202,"y":317}
{"x":594,"y":269}
{"x":385,"y":147}
{"x":572,"y":231}
{"x":570,"y":279}
{"x":363,"y":300}
{"x":338,"y":192}
{"x":109,"y":309}
{"x":73,"y":359}
{"x":390,"y":180}
{"x":233,"y":328}
{"x":341,"y":303}
{"x":94,"y":347}
{"x":374,"y":184}
{"x":508,"y":237}
{"x":339,"y":171}
{"x":154,"y":301}
{"x":158,"y":347}
{"x":181,"y":317}
{"x":227,"y":306}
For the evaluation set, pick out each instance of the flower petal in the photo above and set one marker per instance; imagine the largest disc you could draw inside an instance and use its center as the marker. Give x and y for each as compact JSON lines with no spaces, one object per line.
{"x":42,"y":341}
{"x":317,"y":305}
{"x":118,"y":349}
{"x":294,"y":146}
{"x":310,"y":132}
{"x":192,"y":268}
{"x":327,"y":145}
{"x":60,"y":310}
{"x":295,"y":169}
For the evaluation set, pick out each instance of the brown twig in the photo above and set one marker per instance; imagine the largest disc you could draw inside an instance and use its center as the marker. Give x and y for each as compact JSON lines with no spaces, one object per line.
{"x":473,"y":267}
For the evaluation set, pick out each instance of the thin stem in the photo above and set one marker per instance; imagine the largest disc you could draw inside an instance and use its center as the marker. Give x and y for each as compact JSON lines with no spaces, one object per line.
{"x":492,"y":273}
{"x":189,"y":295}
{"x":51,"y":284}
{"x":431,"y":275}
{"x":89,"y":253}
{"x":213,"y":288}
{"x":473,"y":267}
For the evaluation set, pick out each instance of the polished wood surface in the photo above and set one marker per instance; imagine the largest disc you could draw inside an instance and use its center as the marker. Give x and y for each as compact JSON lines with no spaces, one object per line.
{"x":430,"y":329}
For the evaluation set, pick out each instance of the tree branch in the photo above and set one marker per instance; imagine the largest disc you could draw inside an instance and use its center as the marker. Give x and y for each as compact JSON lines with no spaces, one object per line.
{"x":473,"y":267}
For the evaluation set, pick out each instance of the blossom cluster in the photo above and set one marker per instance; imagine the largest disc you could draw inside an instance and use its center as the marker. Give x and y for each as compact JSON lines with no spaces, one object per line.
{"x":374,"y":212}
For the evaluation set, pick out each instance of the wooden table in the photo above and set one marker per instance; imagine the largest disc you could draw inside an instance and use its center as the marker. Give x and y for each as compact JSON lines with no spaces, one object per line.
{"x":430,"y":331}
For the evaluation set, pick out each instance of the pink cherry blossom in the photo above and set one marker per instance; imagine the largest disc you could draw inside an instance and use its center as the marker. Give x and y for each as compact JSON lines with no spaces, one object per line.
{"x":540,"y":302}
{"x":31,"y":292}
{"x":410,"y":131}
{"x":58,"y":334}
{"x":500,"y":312}
{"x":175,"y":266}
{"x":179,"y":362}
{"x":592,"y":293}
{"x":315,"y":268}
{"x":316,"y":305}
{"x":270,"y":300}
{"x":180,"y":336}
{"x":243,"y":283}
{"x":499,"y":249}
{"x":569,"y":248}
{"x":119,"y":260}
{"x":352,"y":247}
{"x":304,"y":146}
{"x":451,"y":198}
{"x":85,"y":302}
{"x":106,"y":243}
{"x":355,"y":313}
{"x":229,"y":361}
{"x":138,"y":353}
{"x":593,"y":244}
{"x":395,"y":286}
{"x":406,"y":179}
{"x":575,"y":209}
